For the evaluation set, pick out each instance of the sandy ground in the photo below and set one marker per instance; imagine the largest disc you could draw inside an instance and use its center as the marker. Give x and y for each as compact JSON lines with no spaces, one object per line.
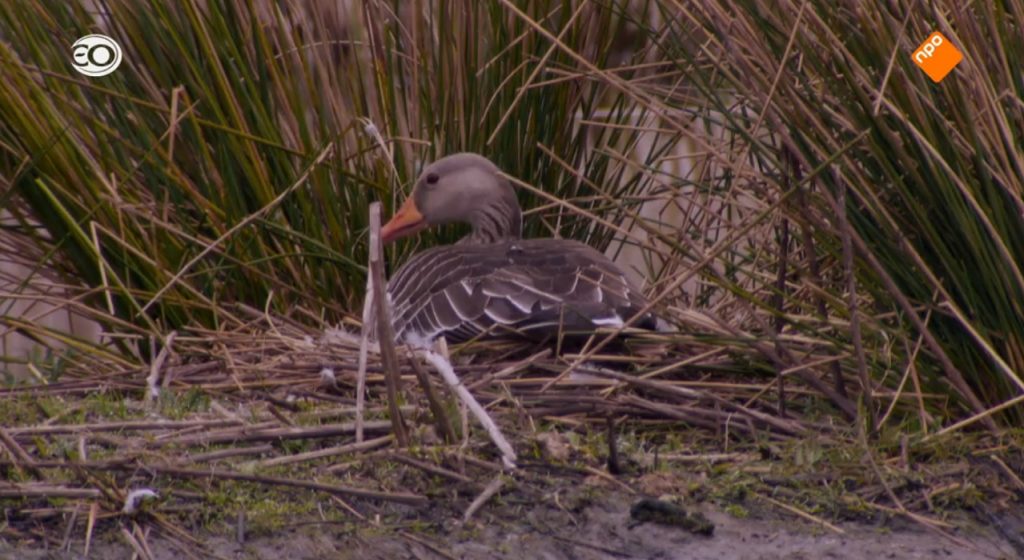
{"x":601,"y":530}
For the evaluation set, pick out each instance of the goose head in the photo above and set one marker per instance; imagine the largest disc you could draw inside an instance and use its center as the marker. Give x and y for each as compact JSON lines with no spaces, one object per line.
{"x":465,"y":188}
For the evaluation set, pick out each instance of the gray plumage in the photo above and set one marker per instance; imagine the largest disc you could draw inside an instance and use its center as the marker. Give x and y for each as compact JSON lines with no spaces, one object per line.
{"x":492,"y":282}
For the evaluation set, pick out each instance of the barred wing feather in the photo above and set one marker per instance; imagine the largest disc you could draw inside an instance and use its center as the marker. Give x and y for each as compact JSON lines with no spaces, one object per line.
{"x":530,"y":288}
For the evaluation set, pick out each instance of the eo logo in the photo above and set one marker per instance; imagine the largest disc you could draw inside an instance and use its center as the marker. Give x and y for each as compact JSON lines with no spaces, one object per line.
{"x":96,"y":55}
{"x":937,"y":57}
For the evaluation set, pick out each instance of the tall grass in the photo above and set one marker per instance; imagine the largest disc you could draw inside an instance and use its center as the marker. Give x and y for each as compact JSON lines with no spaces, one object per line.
{"x":928,"y":176}
{"x":138,"y":182}
{"x":841,"y":219}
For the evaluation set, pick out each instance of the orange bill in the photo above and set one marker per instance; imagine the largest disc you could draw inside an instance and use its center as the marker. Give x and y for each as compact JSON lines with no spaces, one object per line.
{"x":405,"y":222}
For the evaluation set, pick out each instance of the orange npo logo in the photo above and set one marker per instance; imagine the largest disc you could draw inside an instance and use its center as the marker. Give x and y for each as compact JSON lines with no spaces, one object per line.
{"x":937,"y":56}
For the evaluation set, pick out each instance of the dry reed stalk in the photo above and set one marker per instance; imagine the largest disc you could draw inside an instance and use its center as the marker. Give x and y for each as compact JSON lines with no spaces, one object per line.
{"x":136,"y":543}
{"x":94,"y":509}
{"x":385,"y":332}
{"x":779,"y":305}
{"x":246,"y":433}
{"x":20,"y":457}
{"x":510,"y":369}
{"x":359,"y":446}
{"x":226,"y":453}
{"x":801,"y":513}
{"x":813,"y":264}
{"x":176,"y":472}
{"x":492,"y":488}
{"x":441,"y":420}
{"x":853,"y":306}
{"x":1014,"y":477}
{"x":432,"y":469}
{"x":784,"y":426}
{"x":420,"y":540}
{"x":46,"y":491}
{"x":710,"y":458}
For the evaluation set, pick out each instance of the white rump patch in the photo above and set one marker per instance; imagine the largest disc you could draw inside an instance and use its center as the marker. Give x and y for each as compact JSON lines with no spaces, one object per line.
{"x":417,"y":340}
{"x":662,"y":325}
{"x":613,"y":321}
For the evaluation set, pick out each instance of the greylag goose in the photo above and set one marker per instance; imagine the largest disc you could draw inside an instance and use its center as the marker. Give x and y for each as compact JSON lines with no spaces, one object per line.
{"x":492,"y":282}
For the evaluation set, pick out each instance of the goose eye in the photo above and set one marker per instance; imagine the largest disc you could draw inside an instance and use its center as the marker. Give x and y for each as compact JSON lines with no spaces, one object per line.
{"x":432,"y":178}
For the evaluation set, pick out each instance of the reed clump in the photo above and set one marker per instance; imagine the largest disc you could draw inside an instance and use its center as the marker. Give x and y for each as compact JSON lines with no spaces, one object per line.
{"x":834,"y":238}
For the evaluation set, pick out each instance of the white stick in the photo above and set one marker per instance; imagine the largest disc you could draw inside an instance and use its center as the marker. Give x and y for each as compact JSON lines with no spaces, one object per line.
{"x":444,"y":367}
{"x":363,"y":347}
{"x":153,"y":380}
{"x":135,"y":498}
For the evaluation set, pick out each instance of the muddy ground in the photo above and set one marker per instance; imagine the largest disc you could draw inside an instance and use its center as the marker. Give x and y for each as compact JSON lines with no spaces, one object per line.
{"x":603,"y":529}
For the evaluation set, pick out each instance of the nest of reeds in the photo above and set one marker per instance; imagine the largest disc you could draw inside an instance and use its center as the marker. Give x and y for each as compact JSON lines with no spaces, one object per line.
{"x":252,"y":426}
